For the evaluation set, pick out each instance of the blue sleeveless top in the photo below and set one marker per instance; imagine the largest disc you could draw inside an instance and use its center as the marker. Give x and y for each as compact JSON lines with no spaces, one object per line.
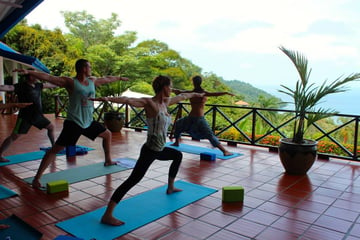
{"x":81,"y":109}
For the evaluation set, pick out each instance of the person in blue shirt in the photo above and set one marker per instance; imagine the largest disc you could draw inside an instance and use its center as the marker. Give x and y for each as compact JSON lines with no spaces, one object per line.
{"x":79,"y":120}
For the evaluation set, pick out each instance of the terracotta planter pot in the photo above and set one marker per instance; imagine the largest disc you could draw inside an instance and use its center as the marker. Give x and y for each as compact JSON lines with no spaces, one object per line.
{"x":297,"y":159}
{"x":114,"y":121}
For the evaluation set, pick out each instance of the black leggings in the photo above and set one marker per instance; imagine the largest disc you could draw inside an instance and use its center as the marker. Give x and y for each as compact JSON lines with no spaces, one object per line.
{"x":146,"y":158}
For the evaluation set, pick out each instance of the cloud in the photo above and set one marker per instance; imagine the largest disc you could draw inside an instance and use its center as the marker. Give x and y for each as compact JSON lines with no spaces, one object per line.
{"x":232,"y":38}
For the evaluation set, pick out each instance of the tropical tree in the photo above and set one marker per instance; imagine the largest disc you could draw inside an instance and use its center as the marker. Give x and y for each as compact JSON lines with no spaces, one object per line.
{"x":84,"y":26}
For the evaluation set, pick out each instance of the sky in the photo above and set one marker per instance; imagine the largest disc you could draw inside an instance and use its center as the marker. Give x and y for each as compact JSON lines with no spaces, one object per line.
{"x":237,"y":39}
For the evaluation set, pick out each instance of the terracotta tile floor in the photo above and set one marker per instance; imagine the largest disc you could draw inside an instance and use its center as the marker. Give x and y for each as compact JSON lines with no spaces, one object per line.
{"x":325,"y":204}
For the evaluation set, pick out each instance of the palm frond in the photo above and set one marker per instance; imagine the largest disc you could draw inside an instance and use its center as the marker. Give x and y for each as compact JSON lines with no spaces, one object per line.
{"x":307,"y":96}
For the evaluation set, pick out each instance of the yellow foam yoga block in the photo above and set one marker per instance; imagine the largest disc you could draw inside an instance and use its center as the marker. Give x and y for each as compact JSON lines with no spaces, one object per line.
{"x":57,"y":186}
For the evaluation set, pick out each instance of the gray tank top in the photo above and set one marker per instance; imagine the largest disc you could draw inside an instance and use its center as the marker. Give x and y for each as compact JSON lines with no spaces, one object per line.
{"x":157,"y":130}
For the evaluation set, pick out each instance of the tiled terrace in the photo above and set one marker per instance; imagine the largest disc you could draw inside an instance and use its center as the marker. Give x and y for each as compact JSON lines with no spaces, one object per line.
{"x":325,"y":204}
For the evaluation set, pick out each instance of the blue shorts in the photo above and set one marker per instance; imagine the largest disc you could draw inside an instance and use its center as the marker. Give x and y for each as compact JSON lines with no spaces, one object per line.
{"x":197,"y":127}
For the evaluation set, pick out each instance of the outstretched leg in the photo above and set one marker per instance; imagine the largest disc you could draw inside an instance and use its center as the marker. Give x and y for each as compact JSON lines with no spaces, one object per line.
{"x":6,"y":144}
{"x":176,"y":143}
{"x":179,"y":129}
{"x":176,"y":157}
{"x":49,"y":157}
{"x":205,"y":131}
{"x":225,"y":152}
{"x":106,"y":136}
{"x":146,"y":158}
{"x":108,"y":217}
{"x":50,"y":133}
{"x":171,"y":188}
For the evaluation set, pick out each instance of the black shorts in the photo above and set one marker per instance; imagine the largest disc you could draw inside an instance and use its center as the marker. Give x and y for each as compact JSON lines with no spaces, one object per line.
{"x":22,"y":125}
{"x":71,"y":132}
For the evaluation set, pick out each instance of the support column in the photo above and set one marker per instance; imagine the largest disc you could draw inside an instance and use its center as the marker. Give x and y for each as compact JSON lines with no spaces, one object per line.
{"x":15,"y":75}
{"x":2,"y":94}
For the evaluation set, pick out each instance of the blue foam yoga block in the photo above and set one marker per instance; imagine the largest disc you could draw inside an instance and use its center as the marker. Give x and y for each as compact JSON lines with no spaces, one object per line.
{"x":70,"y":151}
{"x":208,"y":156}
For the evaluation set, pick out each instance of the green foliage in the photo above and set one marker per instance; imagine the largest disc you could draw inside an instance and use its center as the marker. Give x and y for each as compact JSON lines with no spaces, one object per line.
{"x":142,"y":87}
{"x":250,"y":94}
{"x":326,"y":147}
{"x":306,"y":96}
{"x":84,"y":26}
{"x":103,"y":60}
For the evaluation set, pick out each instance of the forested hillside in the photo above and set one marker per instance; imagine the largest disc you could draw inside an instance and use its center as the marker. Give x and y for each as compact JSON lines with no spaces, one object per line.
{"x":249,"y":92}
{"x":111,"y":54}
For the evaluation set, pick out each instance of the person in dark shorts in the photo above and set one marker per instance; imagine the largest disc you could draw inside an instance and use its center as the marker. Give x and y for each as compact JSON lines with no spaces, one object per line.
{"x":28,"y":91}
{"x":79,"y":120}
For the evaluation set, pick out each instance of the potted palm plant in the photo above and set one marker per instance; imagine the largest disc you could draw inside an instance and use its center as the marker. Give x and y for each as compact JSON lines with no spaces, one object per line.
{"x":297,"y":154}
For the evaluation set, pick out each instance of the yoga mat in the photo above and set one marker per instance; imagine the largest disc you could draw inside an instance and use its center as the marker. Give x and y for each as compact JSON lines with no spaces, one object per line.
{"x":6,"y":193}
{"x":79,"y":148}
{"x":30,"y":156}
{"x":197,"y":150}
{"x":23,"y":157}
{"x":63,"y":237}
{"x":79,"y":174}
{"x":18,"y":229}
{"x":135,"y":211}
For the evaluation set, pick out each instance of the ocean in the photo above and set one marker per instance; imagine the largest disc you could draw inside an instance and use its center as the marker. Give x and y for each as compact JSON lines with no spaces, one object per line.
{"x":344,"y":103}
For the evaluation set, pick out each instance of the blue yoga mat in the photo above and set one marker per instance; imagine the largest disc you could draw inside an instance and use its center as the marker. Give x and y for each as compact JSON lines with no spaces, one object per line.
{"x":135,"y":211}
{"x":197,"y":150}
{"x":18,"y":229}
{"x":6,"y":193}
{"x":30,"y":156}
{"x":79,"y":174}
{"x":23,"y":157}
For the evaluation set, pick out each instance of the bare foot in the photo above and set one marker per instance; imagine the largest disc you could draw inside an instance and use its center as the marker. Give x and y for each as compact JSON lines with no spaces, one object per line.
{"x":4,"y":226}
{"x":36,"y":184}
{"x":176,"y":144}
{"x":227,"y":153}
{"x":173,"y":190}
{"x":109,"y":163}
{"x":111,"y":221}
{"x":4,"y":159}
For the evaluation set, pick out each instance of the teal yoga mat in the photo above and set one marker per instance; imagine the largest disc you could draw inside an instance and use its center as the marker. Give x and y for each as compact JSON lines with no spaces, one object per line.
{"x":79,"y":174}
{"x":197,"y":150}
{"x":6,"y":193}
{"x":18,"y":229}
{"x":30,"y":156}
{"x":135,"y":211}
{"x":23,"y":157}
